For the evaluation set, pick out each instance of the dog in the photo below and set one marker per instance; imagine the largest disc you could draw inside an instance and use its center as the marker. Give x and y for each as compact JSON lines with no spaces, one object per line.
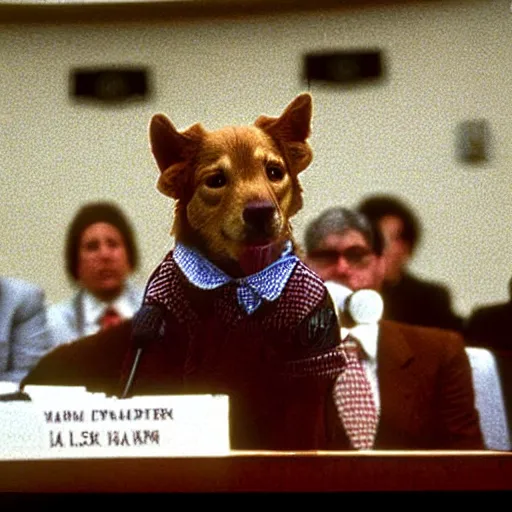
{"x":232,"y":309}
{"x":236,"y":188}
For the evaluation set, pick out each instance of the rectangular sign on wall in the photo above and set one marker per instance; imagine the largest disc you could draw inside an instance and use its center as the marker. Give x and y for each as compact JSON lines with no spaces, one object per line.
{"x":343,"y":67}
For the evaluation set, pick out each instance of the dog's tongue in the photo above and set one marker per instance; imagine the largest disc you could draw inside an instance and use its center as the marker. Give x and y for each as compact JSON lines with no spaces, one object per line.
{"x":256,"y":257}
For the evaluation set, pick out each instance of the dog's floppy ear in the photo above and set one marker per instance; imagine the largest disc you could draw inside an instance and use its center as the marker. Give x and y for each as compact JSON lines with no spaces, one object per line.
{"x":292,"y":129}
{"x":172,"y":151}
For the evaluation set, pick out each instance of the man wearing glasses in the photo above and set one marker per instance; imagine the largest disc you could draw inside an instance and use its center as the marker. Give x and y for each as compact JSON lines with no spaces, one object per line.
{"x":342,"y":246}
{"x":420,"y":377}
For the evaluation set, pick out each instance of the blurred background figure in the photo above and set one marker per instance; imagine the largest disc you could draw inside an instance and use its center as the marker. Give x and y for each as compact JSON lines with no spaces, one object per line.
{"x":342,"y":246}
{"x":420,"y":377}
{"x":489,"y":326}
{"x":408,"y":298}
{"x":24,"y":334}
{"x":100,"y":256}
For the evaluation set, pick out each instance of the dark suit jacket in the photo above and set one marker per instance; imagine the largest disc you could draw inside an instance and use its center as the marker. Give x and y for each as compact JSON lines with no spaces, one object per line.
{"x":24,"y":333}
{"x":489,"y":327}
{"x":426,"y":392}
{"x":419,"y":302}
{"x":424,"y":377}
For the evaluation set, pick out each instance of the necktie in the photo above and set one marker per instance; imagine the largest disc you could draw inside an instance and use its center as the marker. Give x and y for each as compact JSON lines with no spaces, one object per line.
{"x":354,"y":399}
{"x":110,"y":318}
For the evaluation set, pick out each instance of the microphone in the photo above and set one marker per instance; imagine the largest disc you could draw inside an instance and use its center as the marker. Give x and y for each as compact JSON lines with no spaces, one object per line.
{"x":365,"y":306}
{"x":148,"y":325}
{"x":362,"y":306}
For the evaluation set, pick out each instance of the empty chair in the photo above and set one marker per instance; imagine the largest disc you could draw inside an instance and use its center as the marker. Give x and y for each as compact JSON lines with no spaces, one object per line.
{"x":489,"y":398}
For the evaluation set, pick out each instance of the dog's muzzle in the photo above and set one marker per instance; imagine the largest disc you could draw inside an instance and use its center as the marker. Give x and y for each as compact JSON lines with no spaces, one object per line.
{"x":259,"y":218}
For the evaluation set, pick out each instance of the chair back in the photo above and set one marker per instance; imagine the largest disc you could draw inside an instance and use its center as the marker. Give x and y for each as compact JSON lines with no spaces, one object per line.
{"x":489,"y":398}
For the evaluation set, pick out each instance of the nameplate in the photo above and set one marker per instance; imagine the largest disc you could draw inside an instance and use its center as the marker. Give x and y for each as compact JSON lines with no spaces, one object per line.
{"x":89,"y":426}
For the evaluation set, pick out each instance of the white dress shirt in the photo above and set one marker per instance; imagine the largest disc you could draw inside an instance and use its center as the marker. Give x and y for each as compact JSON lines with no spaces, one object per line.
{"x":370,"y":308}
{"x":79,"y":315}
{"x":94,"y":309}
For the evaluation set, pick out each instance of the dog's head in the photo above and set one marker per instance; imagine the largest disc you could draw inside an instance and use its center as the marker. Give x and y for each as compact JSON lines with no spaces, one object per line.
{"x":235,"y":188}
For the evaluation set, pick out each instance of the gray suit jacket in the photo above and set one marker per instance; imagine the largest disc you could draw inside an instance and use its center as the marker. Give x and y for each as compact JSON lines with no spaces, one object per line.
{"x":24,"y":334}
{"x":65,"y":319}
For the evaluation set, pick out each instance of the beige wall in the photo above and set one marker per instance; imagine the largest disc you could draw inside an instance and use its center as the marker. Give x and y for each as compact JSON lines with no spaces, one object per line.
{"x":447,"y":63}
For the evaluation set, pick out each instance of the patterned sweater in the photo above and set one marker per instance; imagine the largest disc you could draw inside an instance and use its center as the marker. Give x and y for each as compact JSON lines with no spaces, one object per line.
{"x":276,"y":364}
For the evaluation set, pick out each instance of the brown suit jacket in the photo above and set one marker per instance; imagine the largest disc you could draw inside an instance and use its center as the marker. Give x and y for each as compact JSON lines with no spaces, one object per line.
{"x":426,"y":392}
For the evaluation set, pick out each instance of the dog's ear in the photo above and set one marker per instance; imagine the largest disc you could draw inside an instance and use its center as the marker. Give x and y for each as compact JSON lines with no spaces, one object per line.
{"x":172,"y":151}
{"x":294,"y":124}
{"x":292,"y":129}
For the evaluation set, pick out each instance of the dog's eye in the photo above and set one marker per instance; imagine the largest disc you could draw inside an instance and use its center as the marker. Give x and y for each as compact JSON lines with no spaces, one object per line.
{"x":274,"y":172}
{"x":216,"y":180}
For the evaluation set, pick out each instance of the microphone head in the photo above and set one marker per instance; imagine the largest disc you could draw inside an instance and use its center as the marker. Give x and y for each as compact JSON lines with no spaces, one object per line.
{"x":362,"y":306}
{"x":365,"y":306}
{"x":148,"y":325}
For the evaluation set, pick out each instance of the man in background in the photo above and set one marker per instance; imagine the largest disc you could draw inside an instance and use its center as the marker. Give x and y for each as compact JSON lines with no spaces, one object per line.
{"x":421,"y":377}
{"x":488,"y":325}
{"x":24,"y":335}
{"x":408,"y":298}
{"x":100,"y":256}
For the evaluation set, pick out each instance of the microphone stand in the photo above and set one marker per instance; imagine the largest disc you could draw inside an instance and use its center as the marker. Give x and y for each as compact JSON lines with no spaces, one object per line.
{"x":133,"y":371}
{"x":148,"y":324}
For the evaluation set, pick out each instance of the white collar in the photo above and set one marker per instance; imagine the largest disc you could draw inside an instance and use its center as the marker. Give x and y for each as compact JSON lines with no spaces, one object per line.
{"x":93,"y":308}
{"x":367,"y":335}
{"x":266,"y":284}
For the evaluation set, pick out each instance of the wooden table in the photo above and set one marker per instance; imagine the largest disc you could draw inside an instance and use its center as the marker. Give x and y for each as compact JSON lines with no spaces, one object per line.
{"x":265,"y":471}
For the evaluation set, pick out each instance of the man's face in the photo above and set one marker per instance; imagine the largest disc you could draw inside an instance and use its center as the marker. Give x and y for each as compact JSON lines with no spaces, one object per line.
{"x":347,"y":259}
{"x":103,"y":265}
{"x":396,"y":250}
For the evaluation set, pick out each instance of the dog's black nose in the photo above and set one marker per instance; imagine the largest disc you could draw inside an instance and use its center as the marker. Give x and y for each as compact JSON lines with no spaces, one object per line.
{"x":259,"y":215}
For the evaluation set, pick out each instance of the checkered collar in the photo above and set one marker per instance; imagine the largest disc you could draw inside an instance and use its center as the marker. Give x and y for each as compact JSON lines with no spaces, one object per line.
{"x":268,"y":284}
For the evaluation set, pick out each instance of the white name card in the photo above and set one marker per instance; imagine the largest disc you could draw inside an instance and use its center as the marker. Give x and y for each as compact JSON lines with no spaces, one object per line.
{"x":89,"y":426}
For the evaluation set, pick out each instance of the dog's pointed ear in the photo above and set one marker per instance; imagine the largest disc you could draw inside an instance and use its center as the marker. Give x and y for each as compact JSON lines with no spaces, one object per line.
{"x":172,"y":151}
{"x":292,"y":129}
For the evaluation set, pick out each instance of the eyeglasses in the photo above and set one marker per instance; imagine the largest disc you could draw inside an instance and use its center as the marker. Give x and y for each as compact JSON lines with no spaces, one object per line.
{"x":355,"y":256}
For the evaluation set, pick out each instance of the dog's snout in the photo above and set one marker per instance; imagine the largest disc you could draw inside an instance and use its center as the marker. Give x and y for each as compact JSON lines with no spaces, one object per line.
{"x":258,"y":215}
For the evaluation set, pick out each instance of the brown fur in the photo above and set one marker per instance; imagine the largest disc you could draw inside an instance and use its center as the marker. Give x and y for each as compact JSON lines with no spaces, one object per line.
{"x":235,"y":188}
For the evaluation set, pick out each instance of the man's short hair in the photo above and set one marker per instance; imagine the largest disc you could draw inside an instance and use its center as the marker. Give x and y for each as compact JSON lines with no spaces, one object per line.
{"x":376,"y":207}
{"x":91,"y":213}
{"x":339,"y":220}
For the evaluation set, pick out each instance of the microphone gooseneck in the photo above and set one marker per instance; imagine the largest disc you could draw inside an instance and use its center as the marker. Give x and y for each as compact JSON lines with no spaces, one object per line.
{"x":148,"y":326}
